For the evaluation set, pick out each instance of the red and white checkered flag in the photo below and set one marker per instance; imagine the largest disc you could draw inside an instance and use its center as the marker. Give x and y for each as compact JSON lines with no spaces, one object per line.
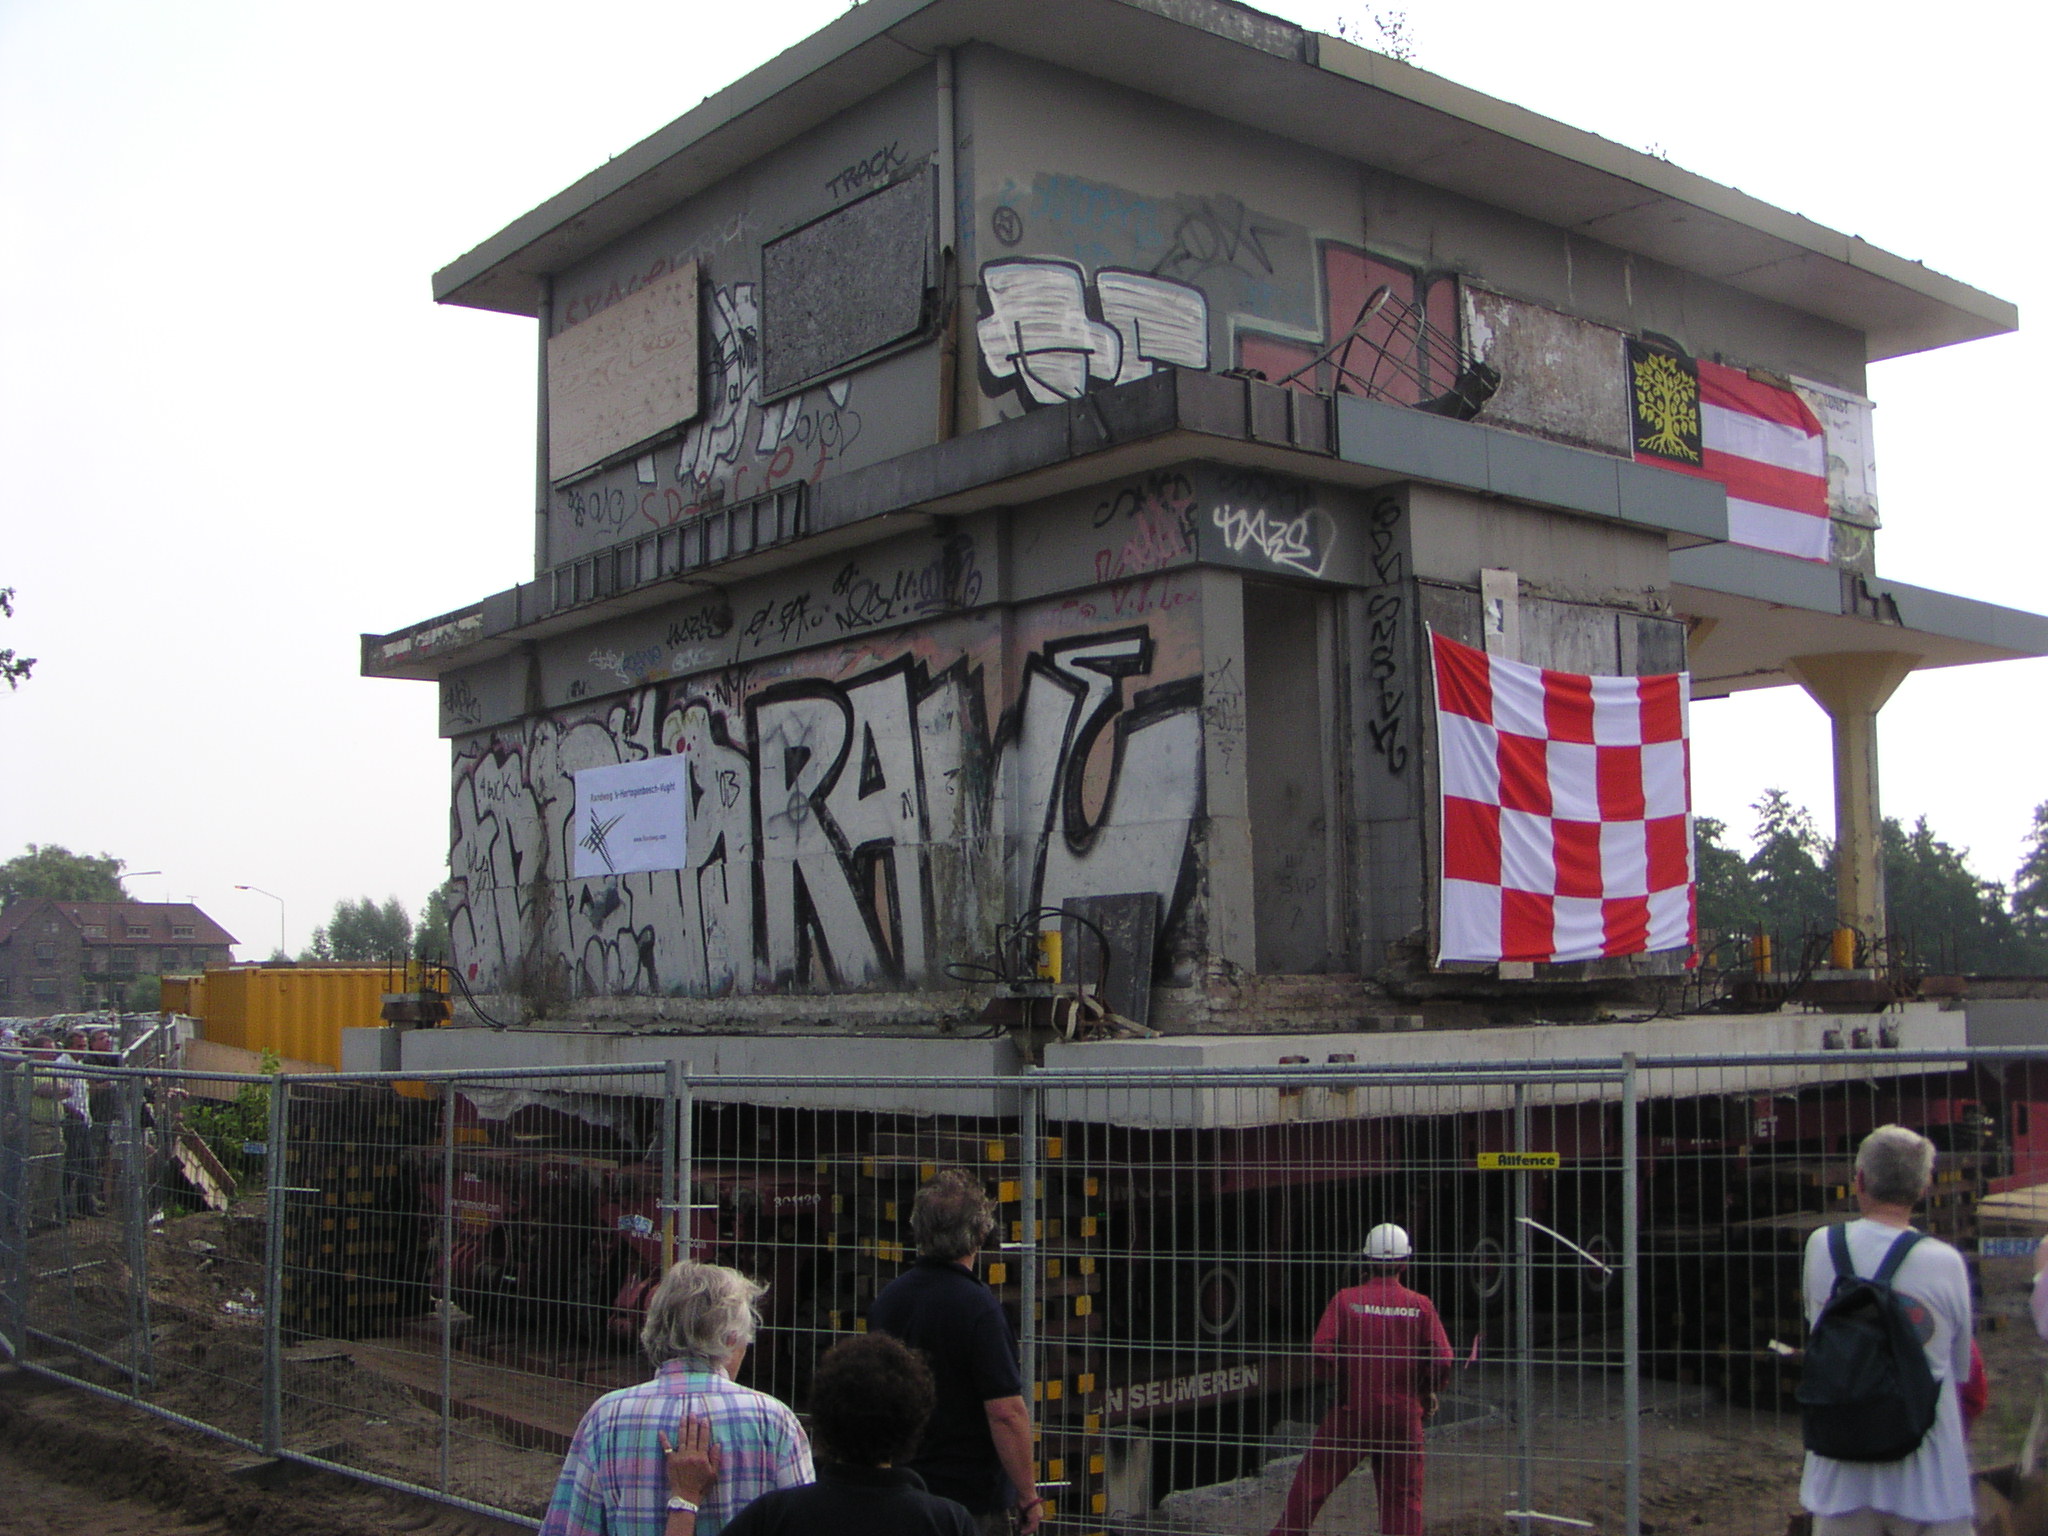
{"x":1567,"y":810}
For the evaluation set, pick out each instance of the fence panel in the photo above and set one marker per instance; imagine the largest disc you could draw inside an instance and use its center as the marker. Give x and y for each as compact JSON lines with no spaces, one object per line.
{"x":427,"y":1281}
{"x":461,"y":1263}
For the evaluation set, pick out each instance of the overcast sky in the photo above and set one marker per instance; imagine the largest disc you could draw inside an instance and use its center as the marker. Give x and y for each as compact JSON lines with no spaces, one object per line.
{"x":235,"y":431}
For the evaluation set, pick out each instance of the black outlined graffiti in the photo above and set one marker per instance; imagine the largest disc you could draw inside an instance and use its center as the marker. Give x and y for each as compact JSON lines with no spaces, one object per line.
{"x":842,"y":833}
{"x":1219,"y":232}
{"x":1385,"y":608}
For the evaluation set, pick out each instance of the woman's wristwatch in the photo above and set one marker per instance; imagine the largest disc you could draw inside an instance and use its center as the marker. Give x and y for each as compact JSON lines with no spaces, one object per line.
{"x":678,"y":1505}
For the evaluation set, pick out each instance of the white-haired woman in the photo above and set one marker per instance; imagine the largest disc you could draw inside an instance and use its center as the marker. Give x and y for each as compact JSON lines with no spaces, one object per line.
{"x":682,"y":1454}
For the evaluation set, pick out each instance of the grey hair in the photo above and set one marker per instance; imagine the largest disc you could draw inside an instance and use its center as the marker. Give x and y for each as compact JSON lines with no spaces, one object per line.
{"x":1897,"y":1164}
{"x":951,"y":1216}
{"x":701,"y":1312}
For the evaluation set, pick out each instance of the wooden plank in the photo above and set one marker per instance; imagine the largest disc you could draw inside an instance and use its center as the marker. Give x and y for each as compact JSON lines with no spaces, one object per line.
{"x":532,"y":1410}
{"x":626,"y":374}
{"x":196,"y":1161}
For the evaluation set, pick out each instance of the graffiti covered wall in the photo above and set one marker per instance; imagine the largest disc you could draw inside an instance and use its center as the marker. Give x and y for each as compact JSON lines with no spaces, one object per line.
{"x":742,"y":443}
{"x":860,"y":815}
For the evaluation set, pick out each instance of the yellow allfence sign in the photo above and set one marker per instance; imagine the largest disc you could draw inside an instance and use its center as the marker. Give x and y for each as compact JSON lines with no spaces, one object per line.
{"x":1518,"y":1159}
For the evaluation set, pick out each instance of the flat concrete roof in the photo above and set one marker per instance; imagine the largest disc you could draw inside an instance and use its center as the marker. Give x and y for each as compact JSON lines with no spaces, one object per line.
{"x":1753,"y":610}
{"x":1269,"y":74}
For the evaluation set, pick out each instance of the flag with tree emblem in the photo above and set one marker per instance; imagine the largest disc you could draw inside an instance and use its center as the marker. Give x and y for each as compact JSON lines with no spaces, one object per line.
{"x":1761,"y":441}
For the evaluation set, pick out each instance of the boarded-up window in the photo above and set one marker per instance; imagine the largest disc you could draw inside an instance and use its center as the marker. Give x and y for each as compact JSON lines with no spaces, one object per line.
{"x":846,"y":285}
{"x":1561,"y":377}
{"x":627,"y":374}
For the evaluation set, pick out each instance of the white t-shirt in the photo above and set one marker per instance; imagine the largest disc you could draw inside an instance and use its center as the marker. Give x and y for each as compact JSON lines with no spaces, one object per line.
{"x":77,"y":1092}
{"x":1934,"y":1482}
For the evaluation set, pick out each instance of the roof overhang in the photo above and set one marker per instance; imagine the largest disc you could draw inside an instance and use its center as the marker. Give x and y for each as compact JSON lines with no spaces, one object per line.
{"x":1268,"y":74}
{"x":1751,"y":612}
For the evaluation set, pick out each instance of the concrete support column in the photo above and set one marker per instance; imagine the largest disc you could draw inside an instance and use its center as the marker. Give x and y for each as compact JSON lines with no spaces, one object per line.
{"x":1852,"y":687}
{"x":1227,"y":840}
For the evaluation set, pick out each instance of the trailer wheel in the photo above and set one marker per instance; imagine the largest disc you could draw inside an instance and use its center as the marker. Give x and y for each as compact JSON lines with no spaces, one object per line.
{"x":1219,"y":1301}
{"x":1600,"y":1282}
{"x":1486,"y":1268}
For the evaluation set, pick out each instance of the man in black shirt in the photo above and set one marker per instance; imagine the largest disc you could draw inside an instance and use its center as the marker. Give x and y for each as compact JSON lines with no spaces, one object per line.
{"x":869,"y":1401}
{"x":977,"y":1447}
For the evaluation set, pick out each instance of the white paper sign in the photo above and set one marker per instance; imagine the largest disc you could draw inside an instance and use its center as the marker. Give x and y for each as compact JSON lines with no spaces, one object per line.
{"x":633,"y":817}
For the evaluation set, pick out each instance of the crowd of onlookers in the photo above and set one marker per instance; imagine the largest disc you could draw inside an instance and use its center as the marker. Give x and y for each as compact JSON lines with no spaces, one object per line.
{"x":920,"y":1424}
{"x":70,"y":1118}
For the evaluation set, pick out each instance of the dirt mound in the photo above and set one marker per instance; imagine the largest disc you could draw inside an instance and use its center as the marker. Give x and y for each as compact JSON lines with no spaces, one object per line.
{"x":73,"y":1461}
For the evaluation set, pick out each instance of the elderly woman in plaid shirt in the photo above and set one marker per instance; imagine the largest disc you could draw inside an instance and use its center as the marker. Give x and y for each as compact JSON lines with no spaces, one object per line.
{"x":682,"y":1454}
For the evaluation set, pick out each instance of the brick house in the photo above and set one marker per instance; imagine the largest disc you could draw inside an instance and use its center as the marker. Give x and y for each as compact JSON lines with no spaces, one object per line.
{"x":67,"y":956}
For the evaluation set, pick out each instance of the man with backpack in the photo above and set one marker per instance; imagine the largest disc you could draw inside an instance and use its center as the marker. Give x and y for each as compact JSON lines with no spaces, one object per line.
{"x":1883,"y":1419}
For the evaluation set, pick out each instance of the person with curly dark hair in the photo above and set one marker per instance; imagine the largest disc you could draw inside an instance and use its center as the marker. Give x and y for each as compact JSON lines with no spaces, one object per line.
{"x":869,"y":1403}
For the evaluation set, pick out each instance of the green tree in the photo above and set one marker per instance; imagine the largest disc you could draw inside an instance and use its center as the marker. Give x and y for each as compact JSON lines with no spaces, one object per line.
{"x":363,"y":930}
{"x":430,"y":935}
{"x":1941,"y":914}
{"x":145,"y":994}
{"x":2030,"y":881}
{"x":49,"y":870}
{"x":14,"y":670}
{"x":1728,"y":904}
{"x":1792,"y":874}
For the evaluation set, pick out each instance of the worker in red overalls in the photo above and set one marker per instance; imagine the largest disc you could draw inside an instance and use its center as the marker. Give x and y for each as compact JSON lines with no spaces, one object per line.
{"x":1385,"y":1346}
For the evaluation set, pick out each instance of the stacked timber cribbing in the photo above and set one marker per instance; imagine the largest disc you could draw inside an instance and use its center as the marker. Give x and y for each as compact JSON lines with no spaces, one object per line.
{"x":353,"y":1228}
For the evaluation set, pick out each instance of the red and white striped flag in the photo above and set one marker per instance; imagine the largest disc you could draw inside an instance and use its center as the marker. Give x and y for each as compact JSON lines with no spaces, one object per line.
{"x":1761,"y":442}
{"x":1567,"y":811}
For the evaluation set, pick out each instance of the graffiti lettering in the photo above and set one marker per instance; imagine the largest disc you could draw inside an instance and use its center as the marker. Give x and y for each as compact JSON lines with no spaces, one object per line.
{"x":732,"y":383}
{"x":583,"y":306}
{"x":1387,"y":725}
{"x":1040,"y":337}
{"x":839,"y":831}
{"x":601,"y":508}
{"x":783,"y":622}
{"x":878,"y":166}
{"x":705,"y":624}
{"x":459,"y":702}
{"x":1223,"y":713}
{"x":1219,"y":232}
{"x":1301,"y":543}
{"x":948,"y":580}
{"x":1129,"y":600}
{"x":1157,"y":516}
{"x":798,"y":436}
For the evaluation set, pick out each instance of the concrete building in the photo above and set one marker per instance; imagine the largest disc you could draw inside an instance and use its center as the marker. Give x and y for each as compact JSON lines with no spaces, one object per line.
{"x":70,"y":956}
{"x":1017,"y":454}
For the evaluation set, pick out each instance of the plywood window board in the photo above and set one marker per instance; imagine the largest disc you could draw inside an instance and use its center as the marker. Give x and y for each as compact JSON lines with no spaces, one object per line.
{"x":845,"y":286}
{"x":627,"y":374}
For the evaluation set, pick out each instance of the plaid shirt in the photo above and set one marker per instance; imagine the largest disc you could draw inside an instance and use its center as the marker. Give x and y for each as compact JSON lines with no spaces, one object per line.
{"x":615,"y":1483}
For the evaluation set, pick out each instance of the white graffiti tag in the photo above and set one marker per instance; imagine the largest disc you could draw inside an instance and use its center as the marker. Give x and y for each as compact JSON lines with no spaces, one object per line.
{"x":1040,"y":337}
{"x":732,"y":385}
{"x":1300,"y":543}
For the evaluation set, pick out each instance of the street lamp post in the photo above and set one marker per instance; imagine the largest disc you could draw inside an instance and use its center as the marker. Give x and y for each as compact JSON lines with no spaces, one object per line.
{"x":280,"y":911}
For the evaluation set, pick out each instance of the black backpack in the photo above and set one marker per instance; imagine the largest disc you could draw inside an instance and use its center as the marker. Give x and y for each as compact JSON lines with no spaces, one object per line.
{"x":1867,"y":1392}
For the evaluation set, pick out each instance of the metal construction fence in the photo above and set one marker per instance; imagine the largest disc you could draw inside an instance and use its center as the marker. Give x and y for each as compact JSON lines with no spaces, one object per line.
{"x":425,"y":1280}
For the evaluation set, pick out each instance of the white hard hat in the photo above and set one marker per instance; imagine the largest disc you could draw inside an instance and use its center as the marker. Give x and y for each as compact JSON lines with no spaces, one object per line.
{"x":1387,"y":1243}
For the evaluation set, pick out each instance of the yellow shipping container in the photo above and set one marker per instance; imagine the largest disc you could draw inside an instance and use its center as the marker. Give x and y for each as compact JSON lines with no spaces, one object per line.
{"x":297,"y":1011}
{"x":184,"y":994}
